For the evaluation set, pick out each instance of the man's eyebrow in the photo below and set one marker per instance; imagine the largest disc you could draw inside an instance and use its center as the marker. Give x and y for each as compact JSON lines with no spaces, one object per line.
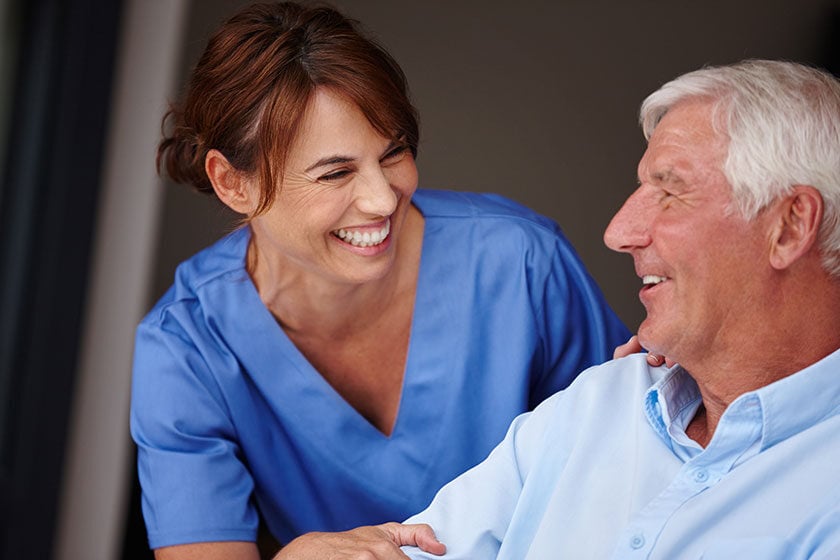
{"x":329,"y":160}
{"x":666,"y":176}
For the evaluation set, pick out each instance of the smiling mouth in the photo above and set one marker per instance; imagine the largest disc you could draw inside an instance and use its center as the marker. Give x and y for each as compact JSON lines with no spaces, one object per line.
{"x":652,"y":280}
{"x":364,"y":239}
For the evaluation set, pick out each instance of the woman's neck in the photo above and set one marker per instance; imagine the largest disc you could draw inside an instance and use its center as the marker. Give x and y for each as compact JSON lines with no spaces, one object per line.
{"x":306,"y":303}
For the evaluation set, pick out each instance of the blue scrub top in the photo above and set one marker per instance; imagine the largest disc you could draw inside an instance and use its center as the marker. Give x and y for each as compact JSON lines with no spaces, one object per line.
{"x":232,"y":422}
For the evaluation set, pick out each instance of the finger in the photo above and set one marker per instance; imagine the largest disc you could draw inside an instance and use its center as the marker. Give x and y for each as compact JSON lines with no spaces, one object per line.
{"x":420,"y":535}
{"x":630,"y":347}
{"x":655,"y":359}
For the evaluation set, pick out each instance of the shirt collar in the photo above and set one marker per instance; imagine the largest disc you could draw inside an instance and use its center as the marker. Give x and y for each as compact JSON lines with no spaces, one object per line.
{"x":788,"y":406}
{"x":801,"y":400}
{"x":668,"y":398}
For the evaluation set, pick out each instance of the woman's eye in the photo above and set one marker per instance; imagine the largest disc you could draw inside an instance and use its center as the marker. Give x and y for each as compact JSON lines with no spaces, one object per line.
{"x":395,"y":154}
{"x":335,"y":175}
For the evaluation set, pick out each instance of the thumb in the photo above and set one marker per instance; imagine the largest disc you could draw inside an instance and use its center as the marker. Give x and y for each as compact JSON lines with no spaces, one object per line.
{"x":419,"y":535}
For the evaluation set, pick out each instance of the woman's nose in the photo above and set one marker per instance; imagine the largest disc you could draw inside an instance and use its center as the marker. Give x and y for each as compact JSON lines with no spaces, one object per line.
{"x":375,"y":196}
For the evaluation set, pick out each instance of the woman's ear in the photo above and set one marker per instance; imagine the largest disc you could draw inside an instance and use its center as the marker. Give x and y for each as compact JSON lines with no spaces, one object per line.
{"x":233,"y":187}
{"x":800,"y":216}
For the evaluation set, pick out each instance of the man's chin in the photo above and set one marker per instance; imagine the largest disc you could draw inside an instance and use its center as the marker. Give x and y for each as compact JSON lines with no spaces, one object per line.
{"x":648,"y":338}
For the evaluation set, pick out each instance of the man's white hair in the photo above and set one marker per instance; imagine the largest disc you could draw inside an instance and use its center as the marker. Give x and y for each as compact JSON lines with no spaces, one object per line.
{"x":782,"y":120}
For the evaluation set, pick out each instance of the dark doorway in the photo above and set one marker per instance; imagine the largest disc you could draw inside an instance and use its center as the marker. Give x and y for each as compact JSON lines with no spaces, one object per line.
{"x":56,"y":109}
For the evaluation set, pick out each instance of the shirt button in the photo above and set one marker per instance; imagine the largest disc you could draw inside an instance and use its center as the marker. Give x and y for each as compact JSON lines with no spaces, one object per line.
{"x":701,"y":475}
{"x":637,"y":541}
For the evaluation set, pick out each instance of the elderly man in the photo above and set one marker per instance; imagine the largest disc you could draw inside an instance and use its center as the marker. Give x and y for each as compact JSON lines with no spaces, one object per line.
{"x":735,"y":452}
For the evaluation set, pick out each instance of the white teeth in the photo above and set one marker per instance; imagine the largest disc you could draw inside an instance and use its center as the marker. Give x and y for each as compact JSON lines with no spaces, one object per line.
{"x":650,"y":279}
{"x":366,"y":239}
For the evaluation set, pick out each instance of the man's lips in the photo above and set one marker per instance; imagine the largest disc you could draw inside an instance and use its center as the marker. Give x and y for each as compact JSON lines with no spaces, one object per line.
{"x":650,"y":282}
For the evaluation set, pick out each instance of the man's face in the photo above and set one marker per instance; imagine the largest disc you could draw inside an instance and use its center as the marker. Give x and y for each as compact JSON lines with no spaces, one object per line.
{"x":696,"y":256}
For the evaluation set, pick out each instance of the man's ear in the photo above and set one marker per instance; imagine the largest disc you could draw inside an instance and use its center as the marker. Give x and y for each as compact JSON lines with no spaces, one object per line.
{"x":233,"y":187}
{"x":798,"y":225}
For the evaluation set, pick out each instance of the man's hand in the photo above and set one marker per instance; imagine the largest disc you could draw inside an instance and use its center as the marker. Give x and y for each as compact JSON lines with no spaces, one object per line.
{"x":381,"y":542}
{"x":632,"y":346}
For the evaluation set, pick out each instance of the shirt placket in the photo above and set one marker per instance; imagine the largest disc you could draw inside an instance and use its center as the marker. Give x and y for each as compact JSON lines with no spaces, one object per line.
{"x":735,"y":439}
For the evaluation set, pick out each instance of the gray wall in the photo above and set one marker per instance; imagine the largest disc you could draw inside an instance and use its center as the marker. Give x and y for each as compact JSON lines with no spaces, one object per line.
{"x":538,"y":100}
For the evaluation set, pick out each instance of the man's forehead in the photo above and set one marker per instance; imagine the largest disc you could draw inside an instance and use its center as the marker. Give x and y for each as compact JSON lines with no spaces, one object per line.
{"x":683,"y":140}
{"x":688,"y":121}
{"x":666,"y":162}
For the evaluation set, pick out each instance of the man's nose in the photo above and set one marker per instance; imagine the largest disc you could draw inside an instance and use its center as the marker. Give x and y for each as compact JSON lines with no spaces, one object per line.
{"x":629,"y":228}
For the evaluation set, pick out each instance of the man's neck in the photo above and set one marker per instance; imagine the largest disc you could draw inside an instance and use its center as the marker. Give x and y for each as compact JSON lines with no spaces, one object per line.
{"x":797,"y":335}
{"x":698,"y":428}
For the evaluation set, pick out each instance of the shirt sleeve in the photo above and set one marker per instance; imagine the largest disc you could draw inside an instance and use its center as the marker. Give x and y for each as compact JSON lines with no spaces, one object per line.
{"x":471,"y":514}
{"x":578,"y":327}
{"x":194,"y":483}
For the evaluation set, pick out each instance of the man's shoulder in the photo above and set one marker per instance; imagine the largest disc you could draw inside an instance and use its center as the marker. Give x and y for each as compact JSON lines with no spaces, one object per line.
{"x":613,"y":385}
{"x":632,"y":372}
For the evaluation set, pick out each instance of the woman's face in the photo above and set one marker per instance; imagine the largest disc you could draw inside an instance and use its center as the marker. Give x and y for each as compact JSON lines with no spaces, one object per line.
{"x":343,"y":201}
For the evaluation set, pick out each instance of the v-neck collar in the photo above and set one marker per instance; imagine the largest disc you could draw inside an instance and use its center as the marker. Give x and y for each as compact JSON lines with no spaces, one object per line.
{"x":307,"y":404}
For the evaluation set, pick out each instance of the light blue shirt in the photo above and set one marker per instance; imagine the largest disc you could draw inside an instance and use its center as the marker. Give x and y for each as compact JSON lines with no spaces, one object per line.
{"x":233,"y":423}
{"x":604,"y":469}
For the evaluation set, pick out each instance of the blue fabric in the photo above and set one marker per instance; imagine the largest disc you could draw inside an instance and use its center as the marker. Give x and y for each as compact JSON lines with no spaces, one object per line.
{"x":230,"y":419}
{"x":604,"y":470}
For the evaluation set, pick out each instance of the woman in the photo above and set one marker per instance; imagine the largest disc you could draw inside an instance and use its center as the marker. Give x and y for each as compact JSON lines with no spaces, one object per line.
{"x":356,"y":343}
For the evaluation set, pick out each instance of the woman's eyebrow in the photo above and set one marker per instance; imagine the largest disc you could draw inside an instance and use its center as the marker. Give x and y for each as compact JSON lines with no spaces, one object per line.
{"x":391,"y":145}
{"x":329,"y":160}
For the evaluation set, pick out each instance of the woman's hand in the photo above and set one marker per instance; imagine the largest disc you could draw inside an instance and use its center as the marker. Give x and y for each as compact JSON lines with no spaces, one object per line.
{"x":380,"y":542}
{"x":632,"y":346}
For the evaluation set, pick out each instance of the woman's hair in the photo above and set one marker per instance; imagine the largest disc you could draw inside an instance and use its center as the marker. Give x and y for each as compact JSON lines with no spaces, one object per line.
{"x":782,"y":120}
{"x":249,"y":91}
